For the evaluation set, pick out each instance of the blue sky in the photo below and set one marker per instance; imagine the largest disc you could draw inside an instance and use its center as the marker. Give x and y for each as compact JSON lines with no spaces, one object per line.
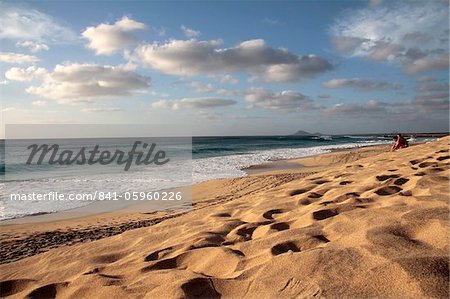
{"x":228,"y":68}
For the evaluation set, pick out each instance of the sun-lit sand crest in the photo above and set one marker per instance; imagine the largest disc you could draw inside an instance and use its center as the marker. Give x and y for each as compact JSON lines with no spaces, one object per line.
{"x":371,"y":224}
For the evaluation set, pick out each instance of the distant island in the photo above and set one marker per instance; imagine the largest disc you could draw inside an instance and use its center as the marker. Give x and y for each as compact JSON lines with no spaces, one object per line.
{"x":304,"y":133}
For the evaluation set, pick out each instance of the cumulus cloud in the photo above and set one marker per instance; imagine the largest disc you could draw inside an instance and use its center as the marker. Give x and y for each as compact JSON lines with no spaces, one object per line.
{"x":203,"y":87}
{"x":189,"y":32}
{"x":107,"y":39}
{"x":413,"y":35}
{"x":228,"y":79}
{"x":17,"y":58}
{"x":432,"y":102}
{"x":84,"y":82}
{"x":28,"y":74}
{"x":432,"y":96}
{"x":106,"y":109}
{"x":444,"y":87}
{"x":23,"y":23}
{"x":372,"y":107}
{"x":361,"y":84}
{"x":33,"y":46}
{"x":193,"y":103}
{"x":285,"y":101}
{"x":438,"y":63}
{"x":192,"y":57}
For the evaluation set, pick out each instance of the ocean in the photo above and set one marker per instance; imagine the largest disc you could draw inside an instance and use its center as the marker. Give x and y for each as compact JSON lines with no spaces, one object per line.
{"x":212,"y":158}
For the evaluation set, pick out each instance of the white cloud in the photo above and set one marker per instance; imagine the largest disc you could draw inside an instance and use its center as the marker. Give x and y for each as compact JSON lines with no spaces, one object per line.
{"x":4,"y":82}
{"x":229,"y":79}
{"x":23,"y":23}
{"x":270,"y":21}
{"x":192,"y":57}
{"x":39,"y":103}
{"x":228,"y":92}
{"x":189,"y":32}
{"x":84,"y":82}
{"x":361,"y":84}
{"x":412,"y":34}
{"x":203,"y":87}
{"x":28,"y":74}
{"x":432,"y":102}
{"x":193,"y":103}
{"x":17,"y":58}
{"x":372,"y":107}
{"x":33,"y":46}
{"x":106,"y":109}
{"x":438,"y":63}
{"x":107,"y":39}
{"x":433,"y":87}
{"x":285,"y":101}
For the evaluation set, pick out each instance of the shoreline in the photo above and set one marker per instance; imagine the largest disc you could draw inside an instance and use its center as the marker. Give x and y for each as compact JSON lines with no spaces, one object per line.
{"x":94,"y":208}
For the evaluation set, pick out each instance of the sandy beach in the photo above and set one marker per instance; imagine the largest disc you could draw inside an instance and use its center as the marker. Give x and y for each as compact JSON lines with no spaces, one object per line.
{"x":361,"y":223}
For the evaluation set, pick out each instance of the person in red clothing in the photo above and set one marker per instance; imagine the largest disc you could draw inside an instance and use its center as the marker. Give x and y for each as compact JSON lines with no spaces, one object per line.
{"x":400,"y":142}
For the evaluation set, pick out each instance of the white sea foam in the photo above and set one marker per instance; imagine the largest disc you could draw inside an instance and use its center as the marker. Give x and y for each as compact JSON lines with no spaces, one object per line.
{"x":231,"y":166}
{"x":203,"y":169}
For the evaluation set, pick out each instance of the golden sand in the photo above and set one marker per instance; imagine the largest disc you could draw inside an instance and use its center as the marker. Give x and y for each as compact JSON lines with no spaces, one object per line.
{"x":356,"y":224}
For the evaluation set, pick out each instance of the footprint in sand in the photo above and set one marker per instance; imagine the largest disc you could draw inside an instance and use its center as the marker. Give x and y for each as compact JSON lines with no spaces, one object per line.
{"x":321,"y":238}
{"x":304,"y":202}
{"x":11,"y":287}
{"x":401,"y":181}
{"x":346,"y":196}
{"x":298,"y":191}
{"x":246,"y":232}
{"x":269,"y":214}
{"x":156,"y":255}
{"x":220,"y":262}
{"x":315,"y":195}
{"x":200,"y":288}
{"x":166,"y":264}
{"x":283,"y":248}
{"x":427,"y":164}
{"x":414,"y":162}
{"x":209,"y":240}
{"x":324,"y":214}
{"x":386,"y":177}
{"x":320,"y":182}
{"x":442,"y":158}
{"x":280,"y":226}
{"x":389,"y":190}
{"x":343,"y":183}
{"x":48,"y":291}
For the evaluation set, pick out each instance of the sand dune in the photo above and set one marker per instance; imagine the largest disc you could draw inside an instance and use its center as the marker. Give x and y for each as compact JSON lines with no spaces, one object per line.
{"x":373,"y":224}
